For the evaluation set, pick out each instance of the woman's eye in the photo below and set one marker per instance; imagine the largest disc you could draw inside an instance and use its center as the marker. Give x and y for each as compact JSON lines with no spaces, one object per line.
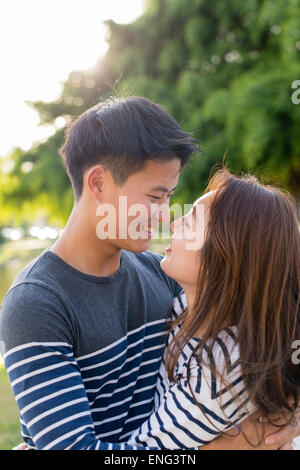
{"x":154,"y":197}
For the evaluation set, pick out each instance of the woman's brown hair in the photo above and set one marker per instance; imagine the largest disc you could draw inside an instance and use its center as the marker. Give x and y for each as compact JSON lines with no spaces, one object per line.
{"x":249,"y":277}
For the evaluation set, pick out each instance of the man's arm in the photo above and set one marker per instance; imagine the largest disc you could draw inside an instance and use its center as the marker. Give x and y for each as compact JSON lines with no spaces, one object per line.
{"x":44,"y":374}
{"x":52,"y":400}
{"x":282,"y":439}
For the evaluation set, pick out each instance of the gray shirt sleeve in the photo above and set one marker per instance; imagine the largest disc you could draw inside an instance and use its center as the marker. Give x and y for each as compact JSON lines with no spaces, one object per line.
{"x":32,"y":312}
{"x":37,"y":343}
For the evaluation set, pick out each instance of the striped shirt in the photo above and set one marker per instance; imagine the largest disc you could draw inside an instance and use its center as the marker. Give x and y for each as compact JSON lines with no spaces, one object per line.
{"x":177,"y":422}
{"x":83,"y":352}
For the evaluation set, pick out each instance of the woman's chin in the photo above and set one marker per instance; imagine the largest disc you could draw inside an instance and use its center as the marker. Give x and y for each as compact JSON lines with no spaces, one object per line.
{"x":165,"y":266}
{"x":170,"y":267}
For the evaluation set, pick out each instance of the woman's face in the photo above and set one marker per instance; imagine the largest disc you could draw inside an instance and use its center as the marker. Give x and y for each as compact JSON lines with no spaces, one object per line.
{"x":182,"y":260}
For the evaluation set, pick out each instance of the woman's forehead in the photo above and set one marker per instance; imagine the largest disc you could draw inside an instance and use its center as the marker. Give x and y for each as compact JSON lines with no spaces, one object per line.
{"x":205,"y":198}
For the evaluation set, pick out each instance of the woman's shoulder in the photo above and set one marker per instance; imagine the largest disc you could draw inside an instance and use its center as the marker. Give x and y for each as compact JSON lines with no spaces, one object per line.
{"x":221,"y":354}
{"x":178,"y":305}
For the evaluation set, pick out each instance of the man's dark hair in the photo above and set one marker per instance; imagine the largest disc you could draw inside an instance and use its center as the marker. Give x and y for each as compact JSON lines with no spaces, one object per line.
{"x":122,"y":134}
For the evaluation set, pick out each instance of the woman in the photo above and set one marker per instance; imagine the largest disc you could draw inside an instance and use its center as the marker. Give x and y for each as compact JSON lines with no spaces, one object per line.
{"x":231,"y":351}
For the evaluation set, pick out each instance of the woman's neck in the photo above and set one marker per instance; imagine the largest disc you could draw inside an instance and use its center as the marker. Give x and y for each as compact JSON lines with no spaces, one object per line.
{"x":190,"y":294}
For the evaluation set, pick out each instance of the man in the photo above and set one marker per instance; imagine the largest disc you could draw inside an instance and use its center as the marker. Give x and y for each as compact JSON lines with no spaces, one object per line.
{"x":83,"y":326}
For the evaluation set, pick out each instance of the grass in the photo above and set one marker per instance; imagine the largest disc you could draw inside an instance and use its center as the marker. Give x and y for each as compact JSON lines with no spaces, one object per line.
{"x":10,"y":429}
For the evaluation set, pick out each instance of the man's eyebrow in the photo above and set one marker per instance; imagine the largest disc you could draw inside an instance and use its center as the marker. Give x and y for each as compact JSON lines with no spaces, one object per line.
{"x":163,"y":189}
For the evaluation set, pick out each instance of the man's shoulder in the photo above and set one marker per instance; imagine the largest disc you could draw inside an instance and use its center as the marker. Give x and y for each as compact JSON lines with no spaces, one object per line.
{"x":32,"y":311}
{"x":28,"y":271}
{"x":31,"y":288}
{"x":145,"y":262}
{"x":151,"y":261}
{"x":145,"y":257}
{"x":39,"y":269}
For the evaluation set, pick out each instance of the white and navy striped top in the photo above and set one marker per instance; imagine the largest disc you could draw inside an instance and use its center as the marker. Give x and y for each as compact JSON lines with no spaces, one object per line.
{"x":83,"y":352}
{"x":177,"y":422}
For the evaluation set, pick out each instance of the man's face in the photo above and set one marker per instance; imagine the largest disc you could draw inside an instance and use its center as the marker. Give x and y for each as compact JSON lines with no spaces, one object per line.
{"x":139,"y":205}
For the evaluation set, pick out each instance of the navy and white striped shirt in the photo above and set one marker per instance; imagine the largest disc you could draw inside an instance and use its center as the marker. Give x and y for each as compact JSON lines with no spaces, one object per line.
{"x":83,"y":352}
{"x":177,"y":422}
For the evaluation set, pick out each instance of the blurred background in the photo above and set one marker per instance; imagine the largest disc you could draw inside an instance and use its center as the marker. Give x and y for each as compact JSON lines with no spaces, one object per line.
{"x":229,"y":72}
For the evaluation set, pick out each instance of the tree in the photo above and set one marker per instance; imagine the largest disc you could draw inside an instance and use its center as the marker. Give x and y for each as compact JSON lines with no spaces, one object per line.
{"x":223,"y":69}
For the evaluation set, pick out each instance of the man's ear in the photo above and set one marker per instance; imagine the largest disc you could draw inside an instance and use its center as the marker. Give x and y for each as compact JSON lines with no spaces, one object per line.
{"x":94,"y":178}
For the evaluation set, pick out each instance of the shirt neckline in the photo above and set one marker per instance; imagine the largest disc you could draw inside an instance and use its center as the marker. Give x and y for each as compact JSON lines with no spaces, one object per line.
{"x":89,"y":277}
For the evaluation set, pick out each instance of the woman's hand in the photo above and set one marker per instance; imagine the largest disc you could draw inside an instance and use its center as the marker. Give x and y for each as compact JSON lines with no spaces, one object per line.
{"x":284,"y":438}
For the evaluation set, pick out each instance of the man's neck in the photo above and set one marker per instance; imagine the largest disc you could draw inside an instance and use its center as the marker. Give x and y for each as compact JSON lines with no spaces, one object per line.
{"x":79,"y":246}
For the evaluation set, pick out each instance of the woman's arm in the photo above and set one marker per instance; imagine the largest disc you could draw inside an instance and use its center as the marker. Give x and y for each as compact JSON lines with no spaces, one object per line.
{"x":182,"y":421}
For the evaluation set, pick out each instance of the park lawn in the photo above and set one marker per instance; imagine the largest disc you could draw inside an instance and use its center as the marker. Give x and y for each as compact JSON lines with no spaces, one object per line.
{"x":10,"y":429}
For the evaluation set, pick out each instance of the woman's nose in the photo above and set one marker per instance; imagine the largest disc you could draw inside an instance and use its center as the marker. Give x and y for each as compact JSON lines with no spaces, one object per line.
{"x":172,"y":227}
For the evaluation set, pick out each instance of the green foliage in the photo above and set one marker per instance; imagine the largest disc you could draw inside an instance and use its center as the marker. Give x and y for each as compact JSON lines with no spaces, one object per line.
{"x":10,"y":428}
{"x":37,"y":188}
{"x":223,"y":69}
